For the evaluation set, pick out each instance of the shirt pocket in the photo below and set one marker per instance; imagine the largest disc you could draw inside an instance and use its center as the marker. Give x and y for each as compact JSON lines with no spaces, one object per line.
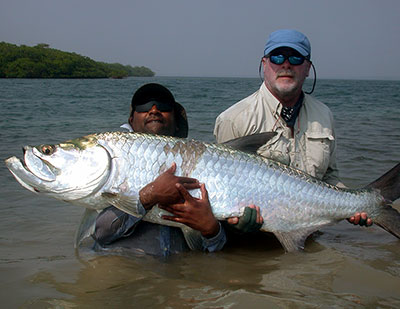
{"x":318,"y":152}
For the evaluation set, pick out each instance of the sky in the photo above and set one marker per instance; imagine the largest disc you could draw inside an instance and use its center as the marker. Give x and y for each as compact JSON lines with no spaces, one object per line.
{"x":350,"y":39}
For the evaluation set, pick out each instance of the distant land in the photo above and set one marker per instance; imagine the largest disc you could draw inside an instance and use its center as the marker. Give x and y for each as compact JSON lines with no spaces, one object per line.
{"x":41,"y":61}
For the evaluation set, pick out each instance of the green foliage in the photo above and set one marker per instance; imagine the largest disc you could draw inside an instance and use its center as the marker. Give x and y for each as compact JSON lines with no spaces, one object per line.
{"x":140,"y":71}
{"x":42,"y":61}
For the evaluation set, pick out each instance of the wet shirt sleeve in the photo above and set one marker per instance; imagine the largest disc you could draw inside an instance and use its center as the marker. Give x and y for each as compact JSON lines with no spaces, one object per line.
{"x":196,"y":241}
{"x":112,"y":224}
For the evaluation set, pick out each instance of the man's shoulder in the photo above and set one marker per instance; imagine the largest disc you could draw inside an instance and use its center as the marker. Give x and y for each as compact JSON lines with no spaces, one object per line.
{"x":245,"y":105}
{"x":317,"y":105}
{"x":317,"y":113}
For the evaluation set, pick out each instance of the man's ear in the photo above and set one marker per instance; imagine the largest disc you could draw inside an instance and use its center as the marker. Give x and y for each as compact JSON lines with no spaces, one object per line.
{"x":130,"y":120}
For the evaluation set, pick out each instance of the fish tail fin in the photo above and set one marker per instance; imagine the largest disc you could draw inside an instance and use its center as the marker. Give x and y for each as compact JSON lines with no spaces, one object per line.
{"x":388,"y":186}
{"x":389,"y":220}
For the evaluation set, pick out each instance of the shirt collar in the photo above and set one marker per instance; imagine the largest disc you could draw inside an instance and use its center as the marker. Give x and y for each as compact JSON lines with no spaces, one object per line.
{"x":127,"y":126}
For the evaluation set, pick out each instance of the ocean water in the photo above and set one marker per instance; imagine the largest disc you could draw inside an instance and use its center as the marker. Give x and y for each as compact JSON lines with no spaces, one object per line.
{"x":342,"y":266}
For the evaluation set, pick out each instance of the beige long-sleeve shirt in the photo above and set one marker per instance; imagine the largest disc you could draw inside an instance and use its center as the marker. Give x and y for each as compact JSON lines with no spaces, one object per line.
{"x":312,"y":148}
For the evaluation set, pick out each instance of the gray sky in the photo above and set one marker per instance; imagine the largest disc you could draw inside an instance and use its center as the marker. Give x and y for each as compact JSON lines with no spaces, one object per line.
{"x":349,"y":38}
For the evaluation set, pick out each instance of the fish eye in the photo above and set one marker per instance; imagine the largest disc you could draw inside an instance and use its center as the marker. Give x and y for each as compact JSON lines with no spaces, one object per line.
{"x":47,"y":149}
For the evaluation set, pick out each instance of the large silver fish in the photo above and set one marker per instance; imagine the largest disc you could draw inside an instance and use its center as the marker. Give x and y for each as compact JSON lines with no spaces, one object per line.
{"x":110,"y":168}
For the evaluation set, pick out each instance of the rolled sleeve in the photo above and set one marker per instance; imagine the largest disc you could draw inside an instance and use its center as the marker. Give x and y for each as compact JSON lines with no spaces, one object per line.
{"x":196,"y":241}
{"x":215,"y":243}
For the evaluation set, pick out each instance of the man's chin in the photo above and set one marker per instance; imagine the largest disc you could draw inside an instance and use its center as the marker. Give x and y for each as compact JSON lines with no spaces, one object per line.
{"x":156,"y":128}
{"x":286,"y":88}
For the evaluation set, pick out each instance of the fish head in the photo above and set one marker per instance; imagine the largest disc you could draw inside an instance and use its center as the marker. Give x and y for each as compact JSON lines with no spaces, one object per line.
{"x":67,"y":171}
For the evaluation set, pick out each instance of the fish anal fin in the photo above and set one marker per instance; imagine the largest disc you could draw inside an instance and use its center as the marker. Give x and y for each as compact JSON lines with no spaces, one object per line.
{"x":294,"y":240}
{"x":86,"y":226}
{"x":250,"y":143}
{"x":126,"y":203}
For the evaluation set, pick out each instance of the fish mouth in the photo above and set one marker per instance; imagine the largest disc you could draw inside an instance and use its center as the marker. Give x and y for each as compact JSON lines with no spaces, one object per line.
{"x":32,"y":171}
{"x":22,"y":174}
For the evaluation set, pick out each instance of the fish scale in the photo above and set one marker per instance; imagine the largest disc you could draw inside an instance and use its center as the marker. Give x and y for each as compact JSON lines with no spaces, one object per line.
{"x":292,"y":203}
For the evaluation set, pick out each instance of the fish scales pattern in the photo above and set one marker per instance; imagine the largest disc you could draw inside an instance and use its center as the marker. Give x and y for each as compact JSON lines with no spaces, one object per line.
{"x":110,"y":168}
{"x":235,"y":179}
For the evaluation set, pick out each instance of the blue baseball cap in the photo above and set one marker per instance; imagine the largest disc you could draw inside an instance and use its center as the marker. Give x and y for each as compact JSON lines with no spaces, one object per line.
{"x":288,"y":38}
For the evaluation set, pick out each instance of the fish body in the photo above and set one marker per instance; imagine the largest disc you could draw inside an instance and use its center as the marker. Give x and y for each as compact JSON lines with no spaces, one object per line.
{"x":110,"y":168}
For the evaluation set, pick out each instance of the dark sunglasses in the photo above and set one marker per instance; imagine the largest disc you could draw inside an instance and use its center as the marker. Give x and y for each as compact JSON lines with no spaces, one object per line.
{"x":293,"y":60}
{"x":161,"y":106}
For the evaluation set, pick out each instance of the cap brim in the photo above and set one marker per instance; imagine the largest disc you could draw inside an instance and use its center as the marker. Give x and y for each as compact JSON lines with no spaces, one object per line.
{"x":301,"y":50}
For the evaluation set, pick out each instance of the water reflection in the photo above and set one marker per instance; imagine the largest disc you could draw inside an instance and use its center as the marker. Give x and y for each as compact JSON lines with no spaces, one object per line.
{"x":345,"y":273}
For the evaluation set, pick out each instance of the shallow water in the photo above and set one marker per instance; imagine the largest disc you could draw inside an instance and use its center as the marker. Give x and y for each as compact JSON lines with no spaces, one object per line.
{"x":342,"y":266}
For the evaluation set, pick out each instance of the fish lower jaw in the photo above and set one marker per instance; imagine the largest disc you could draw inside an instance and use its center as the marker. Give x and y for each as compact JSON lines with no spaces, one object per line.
{"x":12,"y":160}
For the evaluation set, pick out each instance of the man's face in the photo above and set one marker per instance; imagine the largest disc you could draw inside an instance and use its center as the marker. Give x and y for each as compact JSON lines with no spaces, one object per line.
{"x":154,"y":122}
{"x":285,"y":80}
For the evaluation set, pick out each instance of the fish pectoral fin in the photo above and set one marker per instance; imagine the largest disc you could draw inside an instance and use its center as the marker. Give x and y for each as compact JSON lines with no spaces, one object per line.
{"x":86,"y":226}
{"x":294,"y":240}
{"x":126,"y":203}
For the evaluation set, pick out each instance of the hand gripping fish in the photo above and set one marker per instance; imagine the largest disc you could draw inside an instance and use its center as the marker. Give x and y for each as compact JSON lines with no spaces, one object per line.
{"x":105,"y":169}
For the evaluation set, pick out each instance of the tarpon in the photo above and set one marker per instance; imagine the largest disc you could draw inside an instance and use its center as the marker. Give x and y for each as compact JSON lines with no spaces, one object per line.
{"x":105,"y":169}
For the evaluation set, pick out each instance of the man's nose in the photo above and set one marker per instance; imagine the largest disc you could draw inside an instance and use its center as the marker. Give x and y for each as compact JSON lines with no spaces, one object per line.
{"x":286,"y":63}
{"x":154,"y":110}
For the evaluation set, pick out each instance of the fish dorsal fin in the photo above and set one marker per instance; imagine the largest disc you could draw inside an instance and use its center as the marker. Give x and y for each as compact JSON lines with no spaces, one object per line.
{"x":294,"y":240}
{"x":126,"y":203}
{"x":86,"y":226}
{"x":388,"y":184}
{"x":250,"y":143}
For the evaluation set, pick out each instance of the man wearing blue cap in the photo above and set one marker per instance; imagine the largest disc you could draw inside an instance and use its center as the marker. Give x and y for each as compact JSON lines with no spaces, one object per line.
{"x":305,"y":136}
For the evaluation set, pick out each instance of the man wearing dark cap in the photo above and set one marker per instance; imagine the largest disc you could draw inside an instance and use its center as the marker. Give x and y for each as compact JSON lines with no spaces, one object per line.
{"x":305,"y":136}
{"x":170,"y":118}
{"x":155,"y":111}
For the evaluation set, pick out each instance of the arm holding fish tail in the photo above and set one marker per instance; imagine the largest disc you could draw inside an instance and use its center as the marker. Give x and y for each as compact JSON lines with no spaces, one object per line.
{"x":360,"y":219}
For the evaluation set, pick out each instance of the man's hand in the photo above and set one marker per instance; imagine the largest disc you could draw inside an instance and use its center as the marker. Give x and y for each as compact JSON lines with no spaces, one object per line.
{"x":194,"y":212}
{"x":163,"y":189}
{"x":360,"y":218}
{"x":251,"y":221}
